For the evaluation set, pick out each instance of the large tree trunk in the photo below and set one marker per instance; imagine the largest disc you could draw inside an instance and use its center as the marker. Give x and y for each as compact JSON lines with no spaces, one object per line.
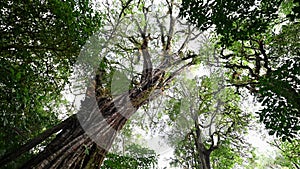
{"x":84,"y":140}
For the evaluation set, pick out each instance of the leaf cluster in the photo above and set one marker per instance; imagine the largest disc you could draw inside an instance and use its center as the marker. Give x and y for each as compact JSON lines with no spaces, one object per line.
{"x":40,"y":41}
{"x":136,"y":157}
{"x":233,"y":20}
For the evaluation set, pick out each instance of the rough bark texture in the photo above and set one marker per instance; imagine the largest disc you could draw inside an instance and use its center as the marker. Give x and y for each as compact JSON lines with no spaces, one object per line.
{"x":74,"y":147}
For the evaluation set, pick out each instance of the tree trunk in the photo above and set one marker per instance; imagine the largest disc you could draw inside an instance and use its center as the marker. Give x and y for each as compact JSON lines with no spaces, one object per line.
{"x":85,"y":139}
{"x":205,"y":160}
{"x":204,"y":153}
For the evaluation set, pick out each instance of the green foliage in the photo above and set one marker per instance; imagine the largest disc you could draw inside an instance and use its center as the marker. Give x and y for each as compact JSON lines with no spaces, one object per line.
{"x":225,"y":157}
{"x":260,"y":58}
{"x":128,"y":151}
{"x":233,"y":20}
{"x":292,"y":9}
{"x":280,"y":98}
{"x":136,"y":157}
{"x":40,"y":41}
{"x":185,"y":156}
{"x":290,"y":153}
{"x":269,"y":160}
{"x":279,"y":91}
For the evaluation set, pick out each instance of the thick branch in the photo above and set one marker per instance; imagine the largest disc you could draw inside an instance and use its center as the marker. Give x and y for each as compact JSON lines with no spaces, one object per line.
{"x":175,"y":73}
{"x":147,"y":65}
{"x":34,"y":142}
{"x":124,"y":6}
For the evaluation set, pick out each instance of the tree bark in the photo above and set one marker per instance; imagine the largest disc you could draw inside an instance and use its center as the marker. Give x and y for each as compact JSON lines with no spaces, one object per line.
{"x":204,"y":153}
{"x":205,"y":159}
{"x":11,"y":156}
{"x":84,"y":140}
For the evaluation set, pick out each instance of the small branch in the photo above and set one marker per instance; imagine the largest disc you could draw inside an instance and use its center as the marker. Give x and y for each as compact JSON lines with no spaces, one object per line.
{"x":266,"y":61}
{"x":145,"y":12}
{"x":161,"y":27}
{"x":187,"y":39}
{"x":232,"y":66}
{"x":143,"y":34}
{"x":212,"y":146}
{"x":175,"y":73}
{"x":190,"y":56}
{"x":124,"y":7}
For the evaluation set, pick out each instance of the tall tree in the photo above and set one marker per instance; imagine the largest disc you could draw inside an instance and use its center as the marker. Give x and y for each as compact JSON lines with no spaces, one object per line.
{"x":107,"y":113}
{"x":40,"y":41}
{"x":129,"y":30}
{"x":260,"y":59}
{"x":205,"y":120}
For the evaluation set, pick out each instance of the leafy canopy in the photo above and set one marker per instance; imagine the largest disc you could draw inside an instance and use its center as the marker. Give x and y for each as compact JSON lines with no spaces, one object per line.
{"x":259,"y":58}
{"x":40,"y":41}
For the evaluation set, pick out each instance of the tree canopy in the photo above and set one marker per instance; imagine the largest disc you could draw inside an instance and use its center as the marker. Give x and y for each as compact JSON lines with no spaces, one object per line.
{"x":135,"y":50}
{"x":207,"y":123}
{"x":127,"y":36}
{"x":40,"y":42}
{"x":262,"y":58}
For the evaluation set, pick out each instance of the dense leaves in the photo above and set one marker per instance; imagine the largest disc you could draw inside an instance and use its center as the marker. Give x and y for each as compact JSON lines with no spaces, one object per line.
{"x":291,"y":152}
{"x":225,"y":157}
{"x":293,"y":10}
{"x":136,"y":157}
{"x":233,"y":20}
{"x":281,"y":98}
{"x":261,"y":54}
{"x":40,"y":41}
{"x":279,"y":90}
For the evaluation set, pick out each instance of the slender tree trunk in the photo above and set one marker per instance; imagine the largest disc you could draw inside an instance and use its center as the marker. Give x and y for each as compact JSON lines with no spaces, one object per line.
{"x":203,"y":152}
{"x":205,"y":159}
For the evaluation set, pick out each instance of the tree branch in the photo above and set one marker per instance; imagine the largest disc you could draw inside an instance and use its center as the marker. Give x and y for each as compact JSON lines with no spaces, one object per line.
{"x":172,"y":26}
{"x":34,"y":142}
